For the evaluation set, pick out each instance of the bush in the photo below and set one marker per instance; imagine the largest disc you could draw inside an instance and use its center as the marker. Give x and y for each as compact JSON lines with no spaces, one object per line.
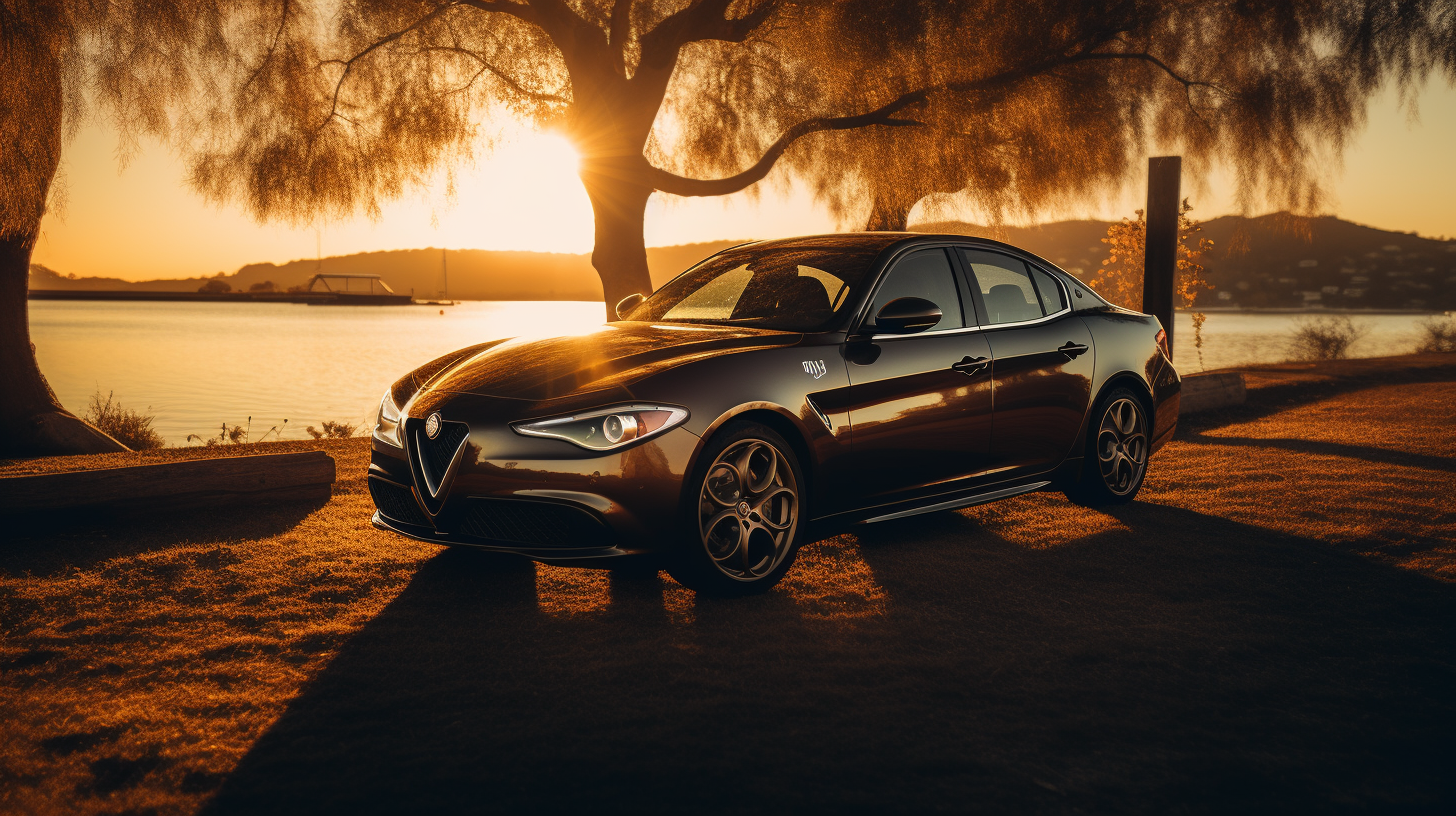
{"x":214,"y":287}
{"x":1437,"y":335}
{"x":1325,"y":338}
{"x":265,"y":286}
{"x":131,"y":428}
{"x":332,"y":430}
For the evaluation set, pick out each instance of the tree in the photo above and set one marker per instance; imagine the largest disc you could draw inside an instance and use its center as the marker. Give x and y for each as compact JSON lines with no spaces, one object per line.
{"x":309,"y":108}
{"x":1120,"y":278}
{"x":62,"y":61}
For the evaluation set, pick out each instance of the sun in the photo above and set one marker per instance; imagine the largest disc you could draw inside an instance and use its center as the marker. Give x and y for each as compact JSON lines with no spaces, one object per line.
{"x":525,"y":194}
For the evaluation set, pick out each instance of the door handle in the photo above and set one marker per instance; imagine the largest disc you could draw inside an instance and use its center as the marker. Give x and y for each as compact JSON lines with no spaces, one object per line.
{"x":971,"y":366}
{"x":1073,"y":350}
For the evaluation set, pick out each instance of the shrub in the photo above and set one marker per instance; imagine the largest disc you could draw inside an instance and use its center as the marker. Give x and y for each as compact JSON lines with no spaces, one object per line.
{"x":1437,"y":335}
{"x":265,"y":286}
{"x":131,"y":428}
{"x":332,"y":430}
{"x":214,"y":287}
{"x":1325,"y":338}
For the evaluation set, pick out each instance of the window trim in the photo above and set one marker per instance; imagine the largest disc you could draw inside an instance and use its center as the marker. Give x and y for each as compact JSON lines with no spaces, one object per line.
{"x":861,"y":320}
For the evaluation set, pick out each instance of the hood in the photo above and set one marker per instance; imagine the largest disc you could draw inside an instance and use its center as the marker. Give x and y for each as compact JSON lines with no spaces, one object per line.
{"x":612,"y":356}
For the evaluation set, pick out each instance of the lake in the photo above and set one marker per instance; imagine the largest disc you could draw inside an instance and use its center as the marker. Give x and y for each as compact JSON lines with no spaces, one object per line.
{"x":198,"y":365}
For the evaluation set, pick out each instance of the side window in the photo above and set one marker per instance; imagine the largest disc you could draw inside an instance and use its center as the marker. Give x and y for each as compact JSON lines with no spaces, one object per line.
{"x":923,"y":274}
{"x":1005,"y":286}
{"x":1052,"y":300}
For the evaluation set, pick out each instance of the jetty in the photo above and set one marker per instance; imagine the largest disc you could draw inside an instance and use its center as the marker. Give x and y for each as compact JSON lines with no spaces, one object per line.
{"x":322,"y":290}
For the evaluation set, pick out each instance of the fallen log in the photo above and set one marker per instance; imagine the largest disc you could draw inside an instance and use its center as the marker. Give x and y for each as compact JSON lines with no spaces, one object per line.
{"x":174,"y":486}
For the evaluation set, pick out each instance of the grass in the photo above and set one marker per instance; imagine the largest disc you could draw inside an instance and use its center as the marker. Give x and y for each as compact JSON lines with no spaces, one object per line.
{"x":1325,"y":338}
{"x":129,"y":427}
{"x":1437,"y":334}
{"x":1271,"y":627}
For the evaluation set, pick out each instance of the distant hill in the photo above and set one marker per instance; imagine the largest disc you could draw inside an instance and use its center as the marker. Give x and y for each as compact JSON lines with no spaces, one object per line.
{"x":474,"y":274}
{"x":1272,"y":261}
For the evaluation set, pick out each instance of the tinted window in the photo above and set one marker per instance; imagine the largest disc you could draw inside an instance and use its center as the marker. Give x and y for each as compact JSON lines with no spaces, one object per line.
{"x":1052,"y":300}
{"x":1005,"y":286}
{"x":784,"y":287}
{"x":923,"y":274}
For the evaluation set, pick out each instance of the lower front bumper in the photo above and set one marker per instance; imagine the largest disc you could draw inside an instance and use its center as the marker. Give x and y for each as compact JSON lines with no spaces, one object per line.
{"x":610,"y":556}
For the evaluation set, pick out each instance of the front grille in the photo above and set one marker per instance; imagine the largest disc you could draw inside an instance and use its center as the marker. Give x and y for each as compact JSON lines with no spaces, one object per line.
{"x":435,"y":454}
{"x":396,"y":502}
{"x":539,"y":524}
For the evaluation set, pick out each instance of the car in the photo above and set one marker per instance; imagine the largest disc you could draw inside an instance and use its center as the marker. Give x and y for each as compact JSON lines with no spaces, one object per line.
{"x":775,"y":391}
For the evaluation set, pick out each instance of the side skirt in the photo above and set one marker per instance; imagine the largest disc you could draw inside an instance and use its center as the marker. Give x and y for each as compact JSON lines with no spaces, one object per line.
{"x":964,"y":501}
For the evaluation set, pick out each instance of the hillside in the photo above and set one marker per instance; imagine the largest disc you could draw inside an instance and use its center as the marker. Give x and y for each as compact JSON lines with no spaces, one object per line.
{"x":1272,"y":261}
{"x":474,"y":274}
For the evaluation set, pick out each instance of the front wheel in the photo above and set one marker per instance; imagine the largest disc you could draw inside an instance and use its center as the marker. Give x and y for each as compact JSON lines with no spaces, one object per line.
{"x":1116,"y":458}
{"x":742,"y":531}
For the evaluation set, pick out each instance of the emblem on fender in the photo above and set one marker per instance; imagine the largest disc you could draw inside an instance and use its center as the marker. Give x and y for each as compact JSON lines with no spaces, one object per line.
{"x":432,"y":425}
{"x":815,"y":368}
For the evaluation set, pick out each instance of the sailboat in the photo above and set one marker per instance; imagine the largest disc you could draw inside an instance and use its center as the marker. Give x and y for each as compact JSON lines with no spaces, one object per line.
{"x":444,"y":294}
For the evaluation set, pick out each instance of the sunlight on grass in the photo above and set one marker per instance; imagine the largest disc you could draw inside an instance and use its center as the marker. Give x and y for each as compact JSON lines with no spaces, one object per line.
{"x":678,"y":601}
{"x":1041,"y":521}
{"x":566,"y":592}
{"x":831,"y":581}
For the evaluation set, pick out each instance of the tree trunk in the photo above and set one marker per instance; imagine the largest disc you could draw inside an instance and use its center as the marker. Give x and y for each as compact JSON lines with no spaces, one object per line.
{"x":890,"y":212}
{"x":619,"y":209}
{"x":32,"y":421}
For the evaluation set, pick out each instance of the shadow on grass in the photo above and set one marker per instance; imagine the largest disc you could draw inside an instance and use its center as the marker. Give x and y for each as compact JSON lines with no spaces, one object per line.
{"x":1178,"y":662}
{"x":50,"y":544}
{"x":1340,"y":379}
{"x":1384,"y":456}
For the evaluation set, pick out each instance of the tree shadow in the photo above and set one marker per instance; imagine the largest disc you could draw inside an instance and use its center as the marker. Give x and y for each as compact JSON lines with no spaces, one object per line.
{"x":1272,"y":399}
{"x":1384,"y":456}
{"x":1176,"y":661}
{"x":53,"y":543}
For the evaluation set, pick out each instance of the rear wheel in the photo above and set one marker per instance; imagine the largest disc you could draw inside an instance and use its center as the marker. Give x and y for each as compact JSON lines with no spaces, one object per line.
{"x":1118,"y":446}
{"x":742,"y":531}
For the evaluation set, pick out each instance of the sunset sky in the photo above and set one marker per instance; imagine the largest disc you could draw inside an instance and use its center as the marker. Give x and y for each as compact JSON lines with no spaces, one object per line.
{"x":144,"y":222}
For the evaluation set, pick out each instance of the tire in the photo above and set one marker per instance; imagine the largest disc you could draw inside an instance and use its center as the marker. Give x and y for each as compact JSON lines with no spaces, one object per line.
{"x":740,"y":535}
{"x":1115,"y":460}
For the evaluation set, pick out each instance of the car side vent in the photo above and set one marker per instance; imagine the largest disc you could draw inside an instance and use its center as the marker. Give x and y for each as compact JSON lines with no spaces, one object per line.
{"x":397,"y":502}
{"x":539,"y":524}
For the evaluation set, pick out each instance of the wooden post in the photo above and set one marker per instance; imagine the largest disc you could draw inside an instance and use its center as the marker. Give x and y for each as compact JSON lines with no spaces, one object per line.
{"x":1160,"y":253}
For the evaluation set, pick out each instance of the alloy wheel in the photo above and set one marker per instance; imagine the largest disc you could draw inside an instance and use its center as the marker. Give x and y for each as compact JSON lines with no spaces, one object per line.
{"x":1122,"y":446}
{"x":748,"y":508}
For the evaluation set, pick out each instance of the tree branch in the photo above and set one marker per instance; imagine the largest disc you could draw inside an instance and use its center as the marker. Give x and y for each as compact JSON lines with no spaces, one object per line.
{"x":621,"y":32}
{"x":272,"y":46}
{"x":510,"y":82}
{"x":884,"y":116}
{"x":702,"y":20}
{"x":374,"y":46}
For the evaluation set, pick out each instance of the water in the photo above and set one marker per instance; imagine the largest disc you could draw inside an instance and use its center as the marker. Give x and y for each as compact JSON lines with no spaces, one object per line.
{"x":198,"y":365}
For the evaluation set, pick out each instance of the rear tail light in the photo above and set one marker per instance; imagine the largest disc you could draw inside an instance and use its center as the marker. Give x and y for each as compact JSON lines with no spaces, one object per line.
{"x":1163,"y":342}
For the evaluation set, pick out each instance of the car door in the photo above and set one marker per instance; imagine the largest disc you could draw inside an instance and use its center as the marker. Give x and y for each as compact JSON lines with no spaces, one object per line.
{"x":1043,"y":361}
{"x":920,"y":414}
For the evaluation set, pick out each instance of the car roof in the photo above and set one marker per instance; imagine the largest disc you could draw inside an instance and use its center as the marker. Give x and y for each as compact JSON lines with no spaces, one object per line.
{"x":885,"y":240}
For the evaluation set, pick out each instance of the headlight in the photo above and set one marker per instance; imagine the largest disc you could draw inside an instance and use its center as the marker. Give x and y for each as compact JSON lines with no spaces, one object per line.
{"x":607,"y":428}
{"x":386,"y":427}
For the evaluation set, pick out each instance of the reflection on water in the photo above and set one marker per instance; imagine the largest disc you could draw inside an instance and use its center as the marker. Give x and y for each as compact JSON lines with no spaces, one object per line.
{"x":1234,"y":338}
{"x":197,"y":365}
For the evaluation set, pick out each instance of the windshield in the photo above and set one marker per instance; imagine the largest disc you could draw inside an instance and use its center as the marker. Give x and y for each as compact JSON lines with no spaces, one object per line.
{"x":799,"y":287}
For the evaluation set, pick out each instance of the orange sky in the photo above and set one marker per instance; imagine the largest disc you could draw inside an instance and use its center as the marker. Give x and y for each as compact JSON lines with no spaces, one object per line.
{"x":143,"y":222}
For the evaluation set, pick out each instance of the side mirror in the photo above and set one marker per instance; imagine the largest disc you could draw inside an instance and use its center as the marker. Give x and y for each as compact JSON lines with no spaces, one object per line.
{"x":907,"y":315}
{"x":628,"y":304}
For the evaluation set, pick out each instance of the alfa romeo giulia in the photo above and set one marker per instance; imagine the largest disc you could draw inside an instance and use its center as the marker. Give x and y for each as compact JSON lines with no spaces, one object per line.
{"x":776,"y":390}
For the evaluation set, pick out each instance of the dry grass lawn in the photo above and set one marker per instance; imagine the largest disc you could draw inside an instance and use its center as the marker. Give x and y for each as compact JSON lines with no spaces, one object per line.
{"x":1271,"y":627}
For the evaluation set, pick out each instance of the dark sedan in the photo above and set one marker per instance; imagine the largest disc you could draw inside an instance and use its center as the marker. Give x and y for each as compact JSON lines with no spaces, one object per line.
{"x":776,"y":389}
